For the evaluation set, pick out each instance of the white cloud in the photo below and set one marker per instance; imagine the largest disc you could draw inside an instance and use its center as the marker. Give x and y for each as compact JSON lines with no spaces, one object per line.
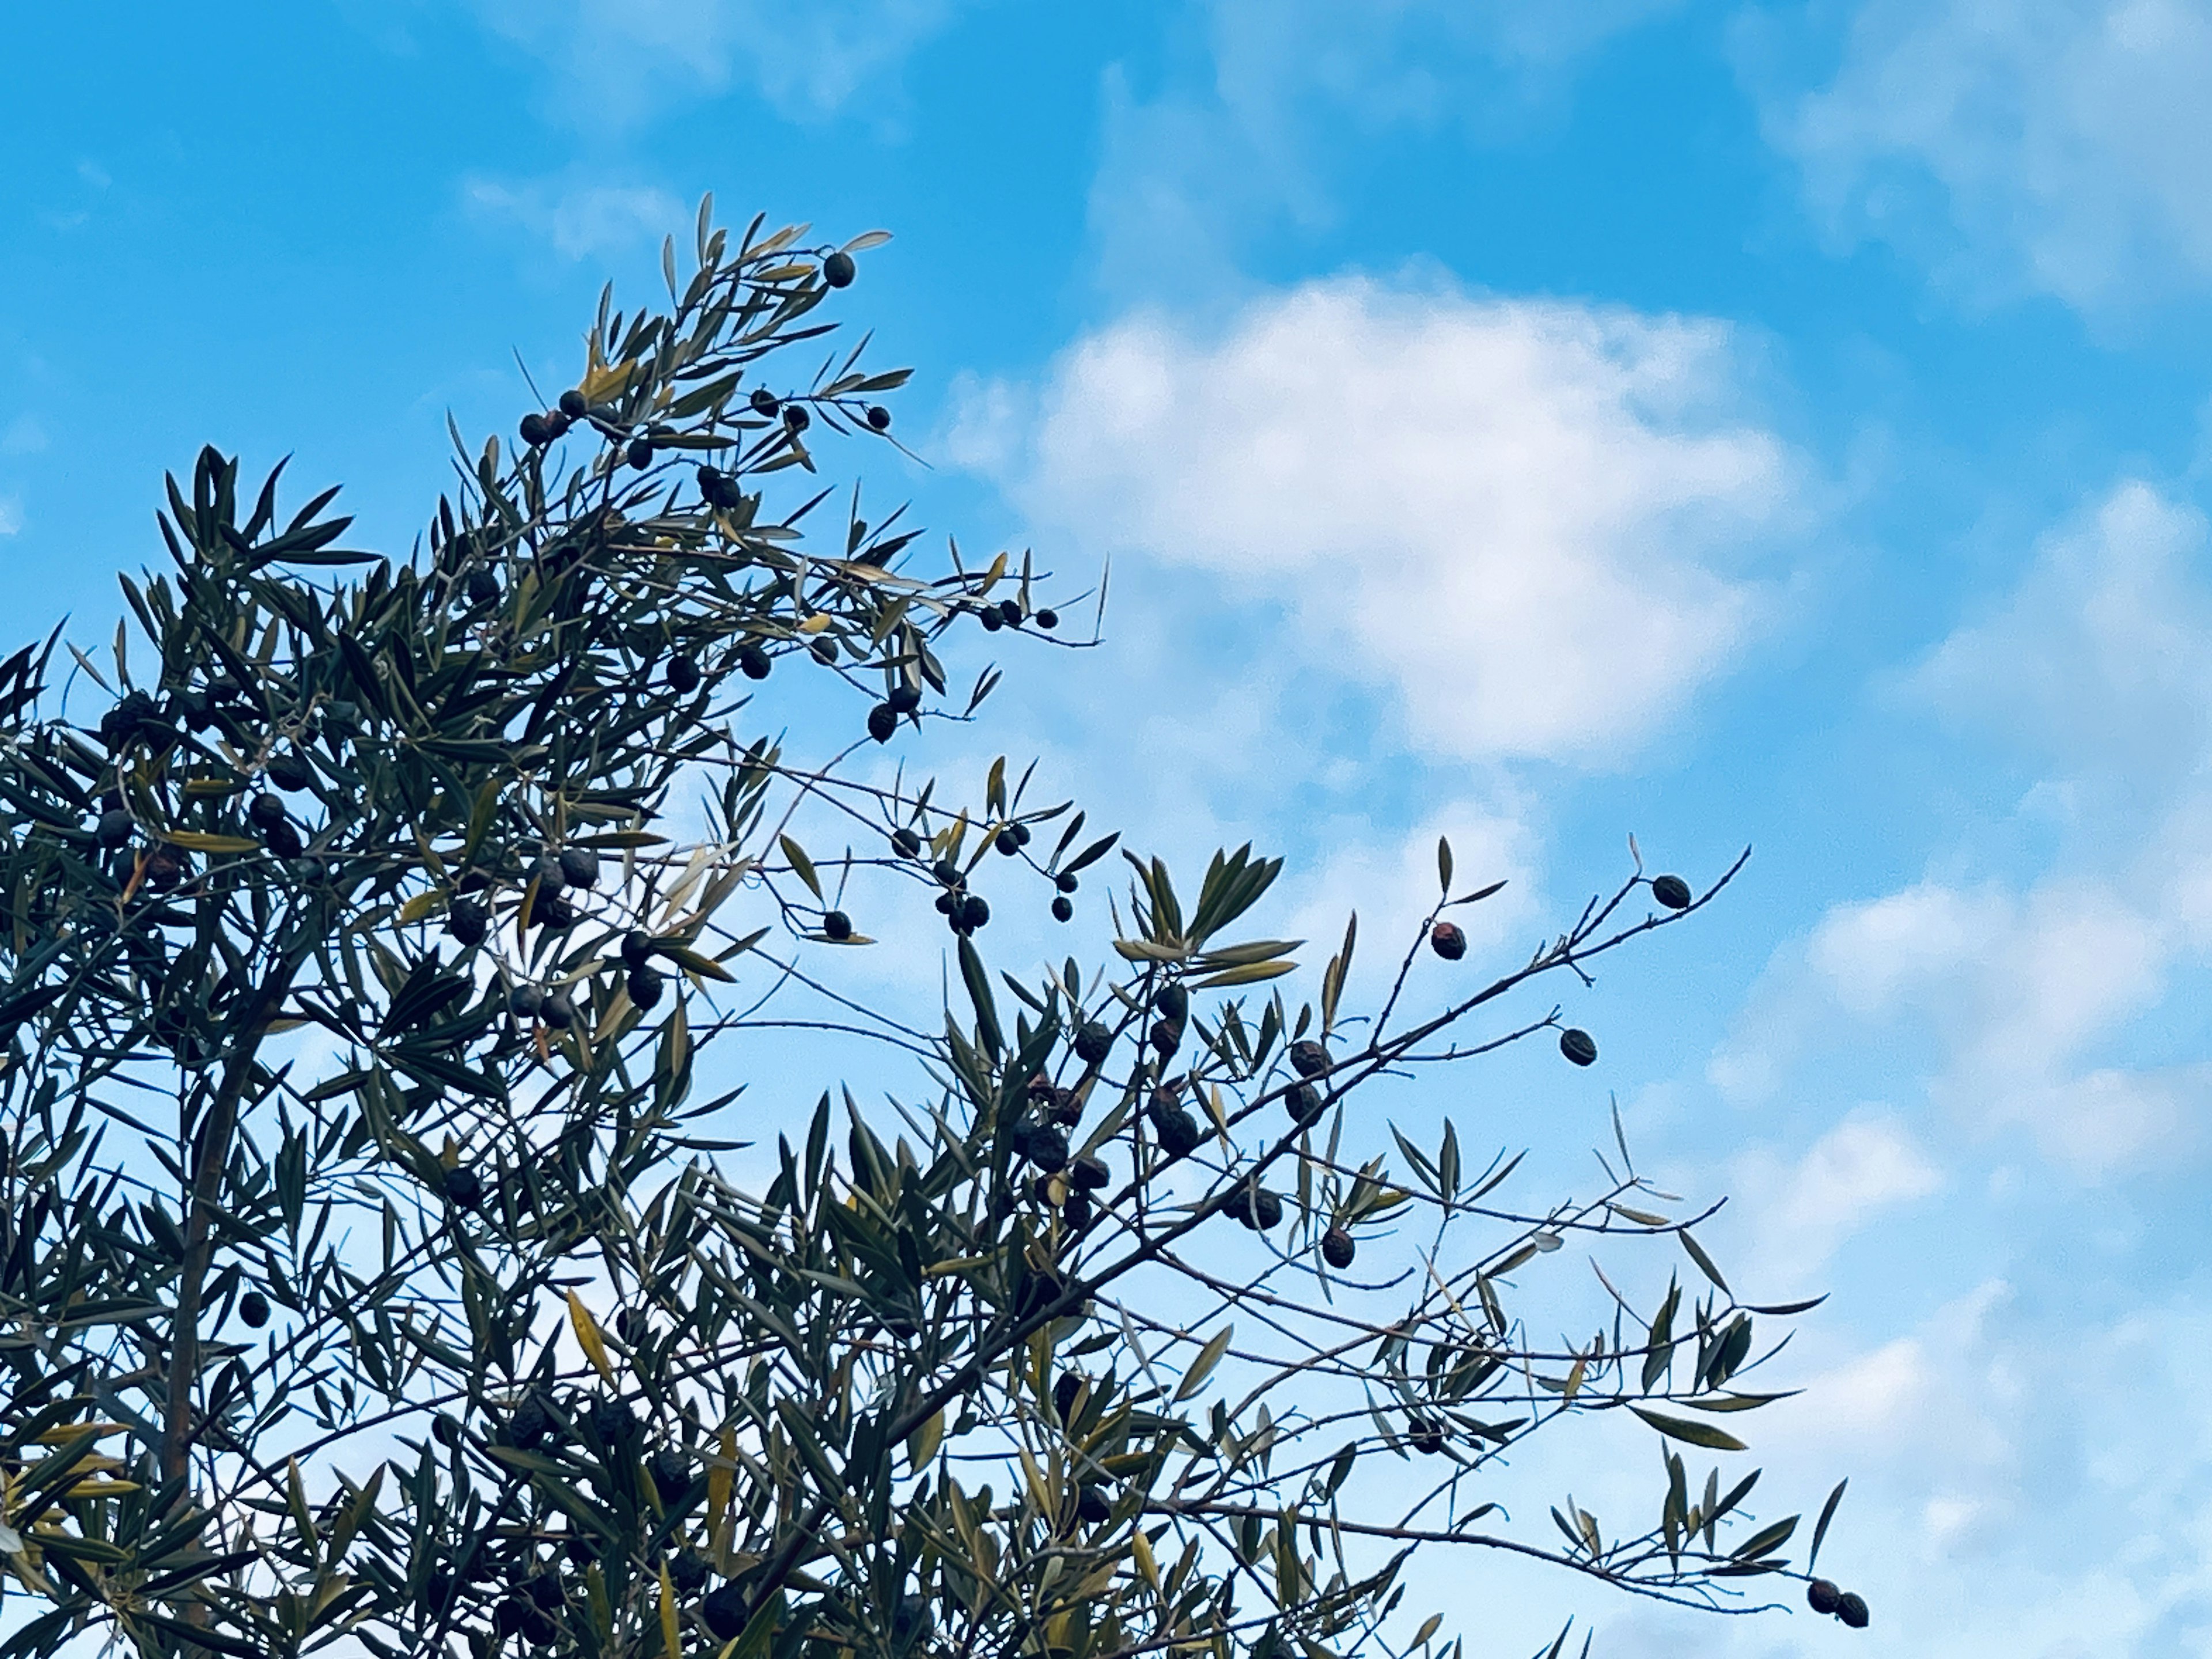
{"x":11,"y":515}
{"x":2055,"y":146}
{"x":1870,"y":1163}
{"x":1530,"y":521}
{"x":580,"y":220}
{"x":620,"y":60}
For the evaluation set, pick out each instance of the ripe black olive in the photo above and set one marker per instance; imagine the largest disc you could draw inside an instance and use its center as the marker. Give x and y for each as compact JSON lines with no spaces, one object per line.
{"x":1039,"y":1292}
{"x":1075,"y":1214}
{"x":1010,"y":612}
{"x":683,"y":674}
{"x":530,"y":1424}
{"x":644,"y":985}
{"x":1179,"y":1132}
{"x":573,"y":404}
{"x":1672,"y":891}
{"x":1579,"y":1047}
{"x":1851,"y":1608}
{"x":989,"y":616}
{"x":1090,"y":1174}
{"x":1304,"y":1103}
{"x":641,"y":452}
{"x":1166,"y":1036}
{"x":1067,"y":881}
{"x":636,"y":950}
{"x":559,"y":1012}
{"x":1047,"y":618}
{"x":507,"y":1617}
{"x":879,"y":417}
{"x":1094,"y":1507}
{"x":551,"y":910}
{"x":1427,"y":1436}
{"x":724,"y":1610}
{"x":483,"y":586}
{"x":974,"y":912}
{"x":908,"y":842}
{"x":1309,"y":1058}
{"x":463,"y":1188}
{"x":1267,"y":1209}
{"x":1062,"y":910}
{"x":1093,"y":1042}
{"x":825,"y":650}
{"x":687,"y":1572}
{"x":1007,"y":841}
{"x":1337,"y":1248}
{"x":533,"y":430}
{"x":1048,"y":1149}
{"x":467,"y":922}
{"x":904,"y":699}
{"x":263,"y":811}
{"x":253,"y":1308}
{"x":946,"y":871}
{"x":1821,"y":1596}
{"x":116,"y":826}
{"x":837,"y":925}
{"x":883,"y":722}
{"x":613,"y":1421}
{"x":838,"y":269}
{"x":796,"y":417}
{"x":1446,"y":941}
{"x":753,"y":662}
{"x":579,"y":867}
{"x":526,"y":1001}
{"x":538,"y":1629}
{"x":288,"y":772}
{"x":671,"y":1469}
{"x":284,"y":840}
{"x":763,"y":401}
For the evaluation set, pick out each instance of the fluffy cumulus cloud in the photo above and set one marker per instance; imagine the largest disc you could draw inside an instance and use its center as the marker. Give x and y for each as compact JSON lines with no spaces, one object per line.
{"x":2053,"y":145}
{"x":1868,"y":1163}
{"x":1531,"y":521}
{"x":619,"y":59}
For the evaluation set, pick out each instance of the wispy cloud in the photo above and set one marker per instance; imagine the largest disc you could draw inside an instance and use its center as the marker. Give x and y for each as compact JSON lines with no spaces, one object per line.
{"x":578,"y":221}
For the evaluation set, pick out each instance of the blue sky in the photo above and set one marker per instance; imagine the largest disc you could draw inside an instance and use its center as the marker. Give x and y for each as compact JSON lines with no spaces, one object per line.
{"x":1769,"y":424}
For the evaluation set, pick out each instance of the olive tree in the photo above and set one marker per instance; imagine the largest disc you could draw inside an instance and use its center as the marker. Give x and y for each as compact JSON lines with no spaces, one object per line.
{"x":381,"y":1265}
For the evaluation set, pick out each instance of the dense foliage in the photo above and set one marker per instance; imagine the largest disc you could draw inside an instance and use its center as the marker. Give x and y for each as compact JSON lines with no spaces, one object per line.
{"x":374,"y":1264}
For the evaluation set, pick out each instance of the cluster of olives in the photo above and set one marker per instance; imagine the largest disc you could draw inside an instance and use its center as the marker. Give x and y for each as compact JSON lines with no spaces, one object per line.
{"x":963,"y":912}
{"x":1008,"y":613}
{"x":903,"y":700}
{"x":1848,"y":1606}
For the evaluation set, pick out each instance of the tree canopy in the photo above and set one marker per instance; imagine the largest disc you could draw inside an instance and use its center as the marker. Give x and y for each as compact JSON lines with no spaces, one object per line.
{"x":380,"y":1263}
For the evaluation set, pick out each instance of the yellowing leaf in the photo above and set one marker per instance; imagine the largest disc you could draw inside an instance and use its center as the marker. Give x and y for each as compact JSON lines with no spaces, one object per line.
{"x":815,"y":623}
{"x":588,"y":1337}
{"x":671,"y":1637}
{"x":418,"y":907}
{"x":200,"y":842}
{"x":921,"y":1445}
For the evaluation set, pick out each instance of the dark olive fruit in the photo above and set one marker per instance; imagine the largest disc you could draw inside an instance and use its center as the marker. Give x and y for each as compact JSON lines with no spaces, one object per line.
{"x":1007,"y":841}
{"x":253,"y":1308}
{"x":557,"y":425}
{"x":1337,"y":1248}
{"x":1579,"y":1047}
{"x":1062,"y":910}
{"x":1822,"y":1596}
{"x":1179,"y":1132}
{"x":1172,"y":1001}
{"x":289,"y":773}
{"x":1048,"y":1149}
{"x":1304,"y":1103}
{"x":724,"y":1610}
{"x":796,"y":417}
{"x":974,"y":912}
{"x":552,"y":876}
{"x":483,"y":586}
{"x":1075,"y":1214}
{"x":1446,"y":941}
{"x":883,"y":722}
{"x":559,"y":1012}
{"x":551,"y":910}
{"x":947,"y":902}
{"x":838,"y":269}
{"x":636,"y":950}
{"x":671,"y":1469}
{"x":1851,"y":1608}
{"x":641,"y":452}
{"x":1065,"y":1390}
{"x":1010,"y":612}
{"x":573,"y":404}
{"x":1093,"y":1042}
{"x":463,"y":1188}
{"x":195,"y":708}
{"x":879,"y":417}
{"x":753,"y":662}
{"x":467,"y":922}
{"x":1021,"y":831}
{"x":837,"y":925}
{"x":630,"y":1325}
{"x":526,"y":1001}
{"x":1309,"y":1058}
{"x":1166,"y":1036}
{"x":1067,"y":881}
{"x":579,"y":866}
{"x":683,"y":674}
{"x":904,"y":699}
{"x":1047,"y":618}
{"x":712,"y":479}
{"x":644,"y":985}
{"x":1090,"y":1174}
{"x":1094,"y":1507}
{"x":763,"y":401}
{"x":284,"y":840}
{"x":538,"y":1629}
{"x":115,"y":826}
{"x":992,"y":621}
{"x":1039,"y":1292}
{"x":1067,"y":1108}
{"x":1018,"y":1135}
{"x":825,"y":650}
{"x":946,"y":871}
{"x":613,"y":1421}
{"x":165,"y":868}
{"x":544,"y":1590}
{"x":908,"y":842}
{"x":507,"y":1618}
{"x":1425,"y":1435}
{"x":1267,"y":1209}
{"x":530,"y":1424}
{"x":264,"y":809}
{"x":534,"y":431}
{"x":1672,"y":891}
{"x":687,"y":1572}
